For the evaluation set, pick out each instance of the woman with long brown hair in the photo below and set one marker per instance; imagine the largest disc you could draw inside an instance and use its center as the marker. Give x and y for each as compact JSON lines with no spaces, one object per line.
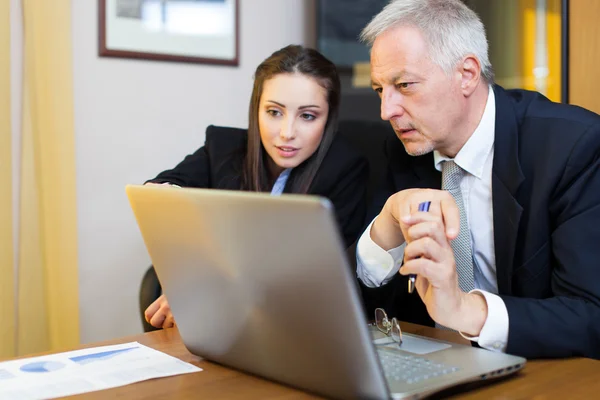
{"x":290,"y":146}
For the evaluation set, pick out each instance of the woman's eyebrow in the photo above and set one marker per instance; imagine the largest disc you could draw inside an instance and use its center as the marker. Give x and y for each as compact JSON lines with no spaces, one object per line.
{"x":309,"y":106}
{"x":300,"y":108}
{"x":275,"y":102}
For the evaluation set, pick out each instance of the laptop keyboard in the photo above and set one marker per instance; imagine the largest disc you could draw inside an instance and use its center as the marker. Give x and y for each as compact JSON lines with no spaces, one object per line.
{"x":408,"y":369}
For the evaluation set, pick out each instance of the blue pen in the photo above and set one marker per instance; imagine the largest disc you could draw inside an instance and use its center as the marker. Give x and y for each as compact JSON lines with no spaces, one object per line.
{"x":423,"y":207}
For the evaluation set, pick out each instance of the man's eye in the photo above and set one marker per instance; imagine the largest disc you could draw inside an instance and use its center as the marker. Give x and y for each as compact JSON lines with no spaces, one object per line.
{"x":404,"y":85}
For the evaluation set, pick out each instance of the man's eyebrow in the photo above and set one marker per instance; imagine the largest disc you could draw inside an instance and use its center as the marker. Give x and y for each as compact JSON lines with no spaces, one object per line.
{"x":400,"y":76}
{"x":405,"y":75}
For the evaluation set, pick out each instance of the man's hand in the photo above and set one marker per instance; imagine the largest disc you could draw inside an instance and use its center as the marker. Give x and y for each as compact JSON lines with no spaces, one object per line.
{"x":390,"y":228}
{"x":429,"y":255}
{"x":158,"y":314}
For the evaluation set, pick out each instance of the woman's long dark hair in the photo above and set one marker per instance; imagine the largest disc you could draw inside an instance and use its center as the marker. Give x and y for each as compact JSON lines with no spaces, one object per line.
{"x":290,"y":59}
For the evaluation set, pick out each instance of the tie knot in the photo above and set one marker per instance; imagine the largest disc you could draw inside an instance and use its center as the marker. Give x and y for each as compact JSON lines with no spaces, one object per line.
{"x":451,"y":175}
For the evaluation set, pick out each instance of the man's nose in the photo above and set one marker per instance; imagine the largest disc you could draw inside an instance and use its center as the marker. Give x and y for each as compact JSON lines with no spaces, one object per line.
{"x":391,"y":105}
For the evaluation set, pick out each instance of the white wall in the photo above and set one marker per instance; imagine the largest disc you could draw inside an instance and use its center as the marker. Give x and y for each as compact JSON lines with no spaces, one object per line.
{"x":135,"y":118}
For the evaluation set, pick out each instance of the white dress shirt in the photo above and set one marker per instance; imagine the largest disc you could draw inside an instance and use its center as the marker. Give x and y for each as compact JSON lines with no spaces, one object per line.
{"x":376,"y":266}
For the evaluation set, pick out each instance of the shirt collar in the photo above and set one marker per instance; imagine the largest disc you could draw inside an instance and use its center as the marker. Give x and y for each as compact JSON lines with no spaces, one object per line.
{"x":285,"y":173}
{"x":474,"y":153}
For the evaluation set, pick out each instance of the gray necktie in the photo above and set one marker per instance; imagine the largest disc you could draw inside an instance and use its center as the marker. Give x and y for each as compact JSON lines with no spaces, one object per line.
{"x":461,"y":246}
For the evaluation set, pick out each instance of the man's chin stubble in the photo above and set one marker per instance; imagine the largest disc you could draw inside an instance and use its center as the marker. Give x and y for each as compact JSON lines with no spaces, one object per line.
{"x":425,"y":149}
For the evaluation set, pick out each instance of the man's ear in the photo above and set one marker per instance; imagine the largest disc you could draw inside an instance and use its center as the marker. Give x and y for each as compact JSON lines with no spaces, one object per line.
{"x":470,"y":74}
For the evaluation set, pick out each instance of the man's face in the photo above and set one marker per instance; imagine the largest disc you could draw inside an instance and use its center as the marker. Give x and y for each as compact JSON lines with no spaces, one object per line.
{"x":421,"y":101}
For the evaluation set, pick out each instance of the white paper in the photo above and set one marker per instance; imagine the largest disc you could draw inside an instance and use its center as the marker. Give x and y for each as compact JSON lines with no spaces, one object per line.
{"x":87,"y":370}
{"x":413,"y":344}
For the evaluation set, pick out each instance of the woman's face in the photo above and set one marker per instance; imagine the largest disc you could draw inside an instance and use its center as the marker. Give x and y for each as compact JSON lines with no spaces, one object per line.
{"x":292,"y":115}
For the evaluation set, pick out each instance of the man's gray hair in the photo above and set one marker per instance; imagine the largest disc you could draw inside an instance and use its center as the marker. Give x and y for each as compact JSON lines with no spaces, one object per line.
{"x":451,"y":29}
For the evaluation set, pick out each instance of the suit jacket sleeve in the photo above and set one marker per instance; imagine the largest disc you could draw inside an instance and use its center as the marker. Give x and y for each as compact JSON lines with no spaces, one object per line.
{"x":193,"y":171}
{"x":567,"y":324}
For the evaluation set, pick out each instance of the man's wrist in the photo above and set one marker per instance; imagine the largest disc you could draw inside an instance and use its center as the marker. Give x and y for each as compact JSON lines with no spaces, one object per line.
{"x":473,"y":314}
{"x":385,"y":232}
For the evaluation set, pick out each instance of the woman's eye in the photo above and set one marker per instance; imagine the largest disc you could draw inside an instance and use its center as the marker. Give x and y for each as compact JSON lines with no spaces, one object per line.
{"x":307,"y":117}
{"x":273,"y":113}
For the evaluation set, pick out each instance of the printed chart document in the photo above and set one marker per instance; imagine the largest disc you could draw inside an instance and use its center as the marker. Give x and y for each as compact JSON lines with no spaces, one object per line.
{"x":87,"y":370}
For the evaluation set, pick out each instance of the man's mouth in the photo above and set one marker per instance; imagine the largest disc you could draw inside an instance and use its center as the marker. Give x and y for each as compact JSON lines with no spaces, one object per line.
{"x":406,"y":131}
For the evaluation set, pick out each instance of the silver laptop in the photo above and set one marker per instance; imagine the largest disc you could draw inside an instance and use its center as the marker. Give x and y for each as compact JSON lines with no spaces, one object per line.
{"x":262,"y":284}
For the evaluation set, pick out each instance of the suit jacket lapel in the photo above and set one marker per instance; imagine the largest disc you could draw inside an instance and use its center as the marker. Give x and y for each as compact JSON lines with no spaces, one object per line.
{"x":287,"y":188}
{"x":507,"y":176}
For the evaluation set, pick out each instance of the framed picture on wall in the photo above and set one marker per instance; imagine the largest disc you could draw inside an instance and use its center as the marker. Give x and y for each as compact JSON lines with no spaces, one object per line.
{"x":195,"y":31}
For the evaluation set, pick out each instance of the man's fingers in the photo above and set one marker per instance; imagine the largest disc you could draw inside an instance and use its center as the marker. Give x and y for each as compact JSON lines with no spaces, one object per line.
{"x":417,"y":266}
{"x":429,"y":270}
{"x":427,"y":225}
{"x":409,"y":200}
{"x":425,"y":247}
{"x":451,"y":215}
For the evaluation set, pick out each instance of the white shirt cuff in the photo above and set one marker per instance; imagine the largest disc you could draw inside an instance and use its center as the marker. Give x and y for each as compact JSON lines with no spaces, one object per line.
{"x":494,"y":334}
{"x":374,"y":265}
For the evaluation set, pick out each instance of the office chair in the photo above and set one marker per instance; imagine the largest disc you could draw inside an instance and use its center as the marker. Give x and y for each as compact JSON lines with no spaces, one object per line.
{"x":367,"y":137}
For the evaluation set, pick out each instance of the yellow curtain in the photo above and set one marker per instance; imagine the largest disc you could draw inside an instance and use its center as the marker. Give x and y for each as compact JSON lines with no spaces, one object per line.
{"x":7,"y":301}
{"x":48,"y":305}
{"x":553,"y":46}
{"x":527,"y":26}
{"x":553,"y":27}
{"x":512,"y":30}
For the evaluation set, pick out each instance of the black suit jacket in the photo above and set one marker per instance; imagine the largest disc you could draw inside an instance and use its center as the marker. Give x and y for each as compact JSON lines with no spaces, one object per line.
{"x":342,"y":176}
{"x":546,"y":207}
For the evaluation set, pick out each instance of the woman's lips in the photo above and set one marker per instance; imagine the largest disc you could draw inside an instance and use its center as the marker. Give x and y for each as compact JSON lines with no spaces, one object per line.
{"x":287,"y":151}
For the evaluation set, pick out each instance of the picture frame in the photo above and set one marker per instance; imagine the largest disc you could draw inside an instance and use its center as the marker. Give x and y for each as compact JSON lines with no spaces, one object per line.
{"x":192,"y":31}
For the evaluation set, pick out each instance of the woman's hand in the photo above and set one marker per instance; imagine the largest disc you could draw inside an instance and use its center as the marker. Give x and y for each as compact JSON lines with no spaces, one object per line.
{"x":159,"y":315}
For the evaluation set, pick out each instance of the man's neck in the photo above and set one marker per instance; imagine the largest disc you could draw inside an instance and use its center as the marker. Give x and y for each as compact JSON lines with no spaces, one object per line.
{"x":475,"y":108}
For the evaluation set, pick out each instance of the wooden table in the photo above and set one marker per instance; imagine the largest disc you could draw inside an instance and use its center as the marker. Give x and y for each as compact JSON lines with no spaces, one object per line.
{"x":540,"y":379}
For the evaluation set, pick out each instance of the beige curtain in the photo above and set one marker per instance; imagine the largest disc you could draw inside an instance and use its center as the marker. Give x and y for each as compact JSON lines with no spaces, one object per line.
{"x":7,"y":301}
{"x":48,"y":305}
